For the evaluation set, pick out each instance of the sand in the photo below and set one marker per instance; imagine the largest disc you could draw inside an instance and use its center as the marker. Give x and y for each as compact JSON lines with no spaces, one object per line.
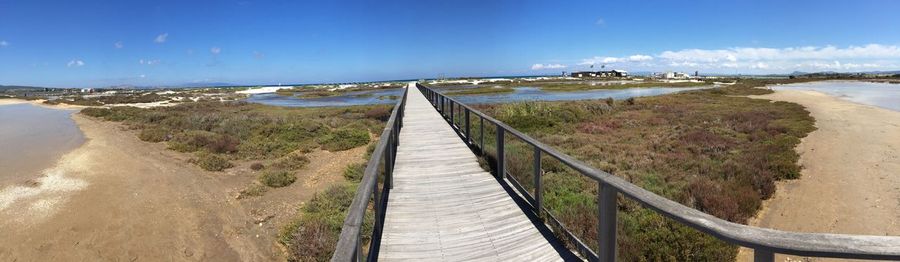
{"x":850,"y":182}
{"x":117,"y":198}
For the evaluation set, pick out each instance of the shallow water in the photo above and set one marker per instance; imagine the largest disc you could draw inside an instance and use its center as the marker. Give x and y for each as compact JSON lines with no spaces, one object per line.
{"x":882,"y":95}
{"x":536,"y":94}
{"x":520,"y":94}
{"x":33,"y":138}
{"x":370,"y":97}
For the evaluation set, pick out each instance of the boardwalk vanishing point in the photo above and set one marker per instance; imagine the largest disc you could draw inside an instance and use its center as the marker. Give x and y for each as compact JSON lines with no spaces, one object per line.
{"x":444,"y":206}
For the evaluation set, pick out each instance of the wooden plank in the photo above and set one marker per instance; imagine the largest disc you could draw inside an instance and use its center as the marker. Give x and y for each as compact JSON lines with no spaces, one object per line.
{"x":444,"y":206}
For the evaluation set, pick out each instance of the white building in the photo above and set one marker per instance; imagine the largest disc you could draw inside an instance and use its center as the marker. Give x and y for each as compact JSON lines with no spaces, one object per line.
{"x":674,"y":75}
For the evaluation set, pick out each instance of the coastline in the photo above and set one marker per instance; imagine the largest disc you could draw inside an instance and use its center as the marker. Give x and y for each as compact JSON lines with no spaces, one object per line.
{"x":39,"y":102}
{"x":848,"y":183}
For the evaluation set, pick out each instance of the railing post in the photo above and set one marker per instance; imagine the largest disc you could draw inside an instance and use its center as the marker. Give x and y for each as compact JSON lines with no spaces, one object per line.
{"x":760,"y":255}
{"x":377,"y":205}
{"x":538,"y":195}
{"x":481,"y":137}
{"x":388,"y":157}
{"x":451,"y":113}
{"x":359,"y":253}
{"x":607,"y":205}
{"x":501,"y":166}
{"x":468,"y":138}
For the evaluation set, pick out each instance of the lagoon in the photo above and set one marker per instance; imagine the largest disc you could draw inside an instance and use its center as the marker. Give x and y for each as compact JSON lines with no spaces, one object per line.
{"x":882,"y":95}
{"x":371,"y":97}
{"x":33,"y":138}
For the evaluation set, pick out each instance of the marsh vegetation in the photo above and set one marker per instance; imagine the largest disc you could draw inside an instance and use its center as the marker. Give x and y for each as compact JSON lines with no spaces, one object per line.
{"x":712,"y":150}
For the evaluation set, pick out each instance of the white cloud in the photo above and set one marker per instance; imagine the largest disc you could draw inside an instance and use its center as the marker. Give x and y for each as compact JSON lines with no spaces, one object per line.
{"x":142,"y":76}
{"x":215,"y":50}
{"x":547,"y":66}
{"x":118,"y":44}
{"x":763,"y":59}
{"x":4,"y":43}
{"x":75,"y":63}
{"x":613,"y":60}
{"x":148,"y":61}
{"x":161,"y":38}
{"x":639,"y":58}
{"x":759,"y":65}
{"x":871,"y":51}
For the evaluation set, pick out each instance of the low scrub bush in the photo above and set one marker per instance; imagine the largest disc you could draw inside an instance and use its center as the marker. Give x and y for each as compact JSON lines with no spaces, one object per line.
{"x":253,"y":190}
{"x":380,"y":113}
{"x":706,"y":149}
{"x":354,"y":172}
{"x":277,"y":178}
{"x":96,"y":112}
{"x":344,"y":139}
{"x":213,"y":162}
{"x":154,"y":135}
{"x":314,"y":234}
{"x":292,"y":161}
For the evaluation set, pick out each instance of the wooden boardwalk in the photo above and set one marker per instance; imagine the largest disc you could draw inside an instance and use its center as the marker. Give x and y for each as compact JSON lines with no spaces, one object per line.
{"x":445,"y":207}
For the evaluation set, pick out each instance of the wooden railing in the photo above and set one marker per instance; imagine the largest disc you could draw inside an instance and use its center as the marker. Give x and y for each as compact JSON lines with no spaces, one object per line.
{"x":765,"y":242}
{"x":380,"y":168}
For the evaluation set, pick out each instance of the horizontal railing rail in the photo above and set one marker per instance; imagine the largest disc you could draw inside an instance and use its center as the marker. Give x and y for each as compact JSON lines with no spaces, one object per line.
{"x":764,"y":242}
{"x":350,"y":243}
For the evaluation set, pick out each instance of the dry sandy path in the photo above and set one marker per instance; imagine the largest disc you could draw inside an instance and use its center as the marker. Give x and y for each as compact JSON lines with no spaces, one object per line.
{"x":117,"y":198}
{"x":850,"y":183}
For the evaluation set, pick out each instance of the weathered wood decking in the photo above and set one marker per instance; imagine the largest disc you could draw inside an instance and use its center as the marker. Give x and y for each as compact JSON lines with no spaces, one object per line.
{"x":444,"y":206}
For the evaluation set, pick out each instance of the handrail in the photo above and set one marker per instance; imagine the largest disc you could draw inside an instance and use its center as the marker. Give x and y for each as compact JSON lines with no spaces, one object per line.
{"x":349,"y":245}
{"x":765,"y":242}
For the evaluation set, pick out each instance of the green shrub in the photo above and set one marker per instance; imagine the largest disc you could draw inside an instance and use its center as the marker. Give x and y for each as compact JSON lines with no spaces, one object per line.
{"x":354,"y":172}
{"x":213,"y":162}
{"x":277,"y":178}
{"x":344,"y":139}
{"x":291,"y":162}
{"x":253,"y":190}
{"x":96,"y":112}
{"x":154,"y":135}
{"x":313,"y":235}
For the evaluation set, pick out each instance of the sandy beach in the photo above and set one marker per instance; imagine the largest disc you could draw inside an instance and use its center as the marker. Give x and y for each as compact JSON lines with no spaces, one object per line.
{"x":850,"y":183}
{"x":117,"y":198}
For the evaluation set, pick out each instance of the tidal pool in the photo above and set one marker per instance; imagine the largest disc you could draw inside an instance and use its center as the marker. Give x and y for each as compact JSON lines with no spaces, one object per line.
{"x":33,"y":138}
{"x":882,"y":95}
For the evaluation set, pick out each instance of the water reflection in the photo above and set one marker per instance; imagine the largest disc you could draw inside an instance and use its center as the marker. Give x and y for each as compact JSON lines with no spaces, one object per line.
{"x":384,"y":96}
{"x":882,"y":95}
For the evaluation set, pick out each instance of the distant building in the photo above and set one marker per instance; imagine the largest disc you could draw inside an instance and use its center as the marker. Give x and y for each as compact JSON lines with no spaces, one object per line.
{"x":603,"y":74}
{"x":673,"y":75}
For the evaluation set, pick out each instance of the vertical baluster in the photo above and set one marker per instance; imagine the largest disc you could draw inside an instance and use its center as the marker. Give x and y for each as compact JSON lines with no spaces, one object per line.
{"x":501,"y":165}
{"x":538,"y":194}
{"x":606,"y":201}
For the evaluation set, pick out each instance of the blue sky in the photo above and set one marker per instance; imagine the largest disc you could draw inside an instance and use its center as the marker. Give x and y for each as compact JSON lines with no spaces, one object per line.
{"x":102,"y":43}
